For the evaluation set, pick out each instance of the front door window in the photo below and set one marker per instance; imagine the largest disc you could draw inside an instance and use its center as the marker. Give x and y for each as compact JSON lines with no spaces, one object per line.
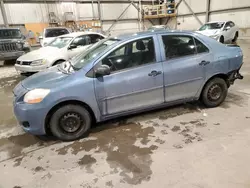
{"x":131,"y":55}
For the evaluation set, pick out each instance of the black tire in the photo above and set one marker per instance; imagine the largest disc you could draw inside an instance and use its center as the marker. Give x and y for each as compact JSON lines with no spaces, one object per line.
{"x":214,"y":92}
{"x":236,"y":37}
{"x":70,"y":122}
{"x":58,"y":62}
{"x":222,"y":40}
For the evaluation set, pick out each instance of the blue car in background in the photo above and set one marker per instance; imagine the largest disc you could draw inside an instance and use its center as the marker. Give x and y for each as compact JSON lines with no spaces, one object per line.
{"x":125,"y":75}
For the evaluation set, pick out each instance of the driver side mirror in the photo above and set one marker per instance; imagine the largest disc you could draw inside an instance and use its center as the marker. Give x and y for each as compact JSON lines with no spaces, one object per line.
{"x":97,"y":40}
{"x":72,"y":46}
{"x":102,"y":70}
{"x":227,"y":28}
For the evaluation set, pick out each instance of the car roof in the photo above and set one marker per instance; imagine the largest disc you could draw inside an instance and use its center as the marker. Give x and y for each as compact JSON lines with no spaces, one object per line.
{"x":152,"y":32}
{"x":55,"y":28}
{"x":9,"y":29}
{"x":76,"y":34}
{"x":217,"y":21}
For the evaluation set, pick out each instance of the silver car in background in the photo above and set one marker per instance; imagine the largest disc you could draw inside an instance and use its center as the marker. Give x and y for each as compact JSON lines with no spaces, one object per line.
{"x":59,"y":50}
{"x":223,"y":31}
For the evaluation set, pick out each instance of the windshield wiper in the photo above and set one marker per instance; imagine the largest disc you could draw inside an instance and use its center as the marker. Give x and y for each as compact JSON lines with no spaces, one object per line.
{"x":61,"y":69}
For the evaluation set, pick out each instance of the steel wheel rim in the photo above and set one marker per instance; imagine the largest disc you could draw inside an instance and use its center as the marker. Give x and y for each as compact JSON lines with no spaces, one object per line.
{"x":214,"y":92}
{"x":71,"y":122}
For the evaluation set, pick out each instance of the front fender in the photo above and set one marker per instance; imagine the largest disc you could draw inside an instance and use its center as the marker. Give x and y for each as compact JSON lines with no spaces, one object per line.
{"x":76,"y":99}
{"x":56,"y":57}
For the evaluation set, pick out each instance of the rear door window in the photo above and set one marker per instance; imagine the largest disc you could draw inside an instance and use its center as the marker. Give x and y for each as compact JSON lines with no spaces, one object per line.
{"x":232,"y":24}
{"x":81,"y":40}
{"x":55,"y":32}
{"x":95,"y":38}
{"x":176,"y":46}
{"x":227,"y":25}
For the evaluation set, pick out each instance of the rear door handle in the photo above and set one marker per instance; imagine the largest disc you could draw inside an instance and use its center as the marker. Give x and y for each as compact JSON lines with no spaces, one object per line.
{"x":204,"y":63}
{"x":154,"y":73}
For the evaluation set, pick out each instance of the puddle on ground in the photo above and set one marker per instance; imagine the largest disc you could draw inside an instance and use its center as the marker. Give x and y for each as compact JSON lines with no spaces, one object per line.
{"x":14,"y":145}
{"x":87,"y":161}
{"x":118,"y":142}
{"x":7,"y":118}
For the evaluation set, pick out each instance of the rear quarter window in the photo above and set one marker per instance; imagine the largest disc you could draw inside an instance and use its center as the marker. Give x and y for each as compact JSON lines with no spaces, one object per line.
{"x":201,"y":48}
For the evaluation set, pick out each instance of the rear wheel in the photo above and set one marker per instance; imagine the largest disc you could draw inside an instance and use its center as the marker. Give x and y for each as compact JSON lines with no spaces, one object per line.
{"x":222,"y":40}
{"x":70,"y":122}
{"x":214,"y":92}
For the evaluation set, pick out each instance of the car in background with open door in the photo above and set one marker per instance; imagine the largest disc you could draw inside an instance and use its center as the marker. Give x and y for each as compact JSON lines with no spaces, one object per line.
{"x":222,"y":31}
{"x":49,"y":34}
{"x":59,"y":50}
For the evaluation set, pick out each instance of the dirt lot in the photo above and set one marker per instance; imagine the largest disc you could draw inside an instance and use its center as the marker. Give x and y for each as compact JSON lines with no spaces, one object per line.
{"x":185,"y":146}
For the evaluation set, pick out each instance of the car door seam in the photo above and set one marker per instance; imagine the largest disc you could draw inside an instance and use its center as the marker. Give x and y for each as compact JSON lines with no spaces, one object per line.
{"x":183,"y":82}
{"x":132,"y":93}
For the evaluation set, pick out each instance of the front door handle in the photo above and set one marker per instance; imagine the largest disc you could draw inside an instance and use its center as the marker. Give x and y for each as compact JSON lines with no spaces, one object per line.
{"x":154,"y":73}
{"x":204,"y":63}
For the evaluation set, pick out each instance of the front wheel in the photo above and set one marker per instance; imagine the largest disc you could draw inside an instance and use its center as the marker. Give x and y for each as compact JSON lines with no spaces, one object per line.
{"x":214,"y":92}
{"x":70,"y":122}
{"x":222,"y":40}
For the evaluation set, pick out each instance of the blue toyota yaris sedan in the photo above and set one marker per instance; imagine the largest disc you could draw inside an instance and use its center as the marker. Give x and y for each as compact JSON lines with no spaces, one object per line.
{"x":126,"y":75}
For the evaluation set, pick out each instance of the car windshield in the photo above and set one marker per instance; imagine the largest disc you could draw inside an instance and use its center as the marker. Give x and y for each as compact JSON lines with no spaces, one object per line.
{"x":217,"y":25}
{"x":55,"y":32}
{"x":82,"y":59}
{"x":10,"y":33}
{"x":60,"y":42}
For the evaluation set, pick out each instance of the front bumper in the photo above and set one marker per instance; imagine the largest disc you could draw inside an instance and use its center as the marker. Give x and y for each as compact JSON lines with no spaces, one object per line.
{"x":29,"y":68}
{"x":10,"y":55}
{"x":31,"y":117}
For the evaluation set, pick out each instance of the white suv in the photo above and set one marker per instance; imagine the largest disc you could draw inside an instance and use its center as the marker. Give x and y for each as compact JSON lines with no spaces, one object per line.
{"x":224,"y":31}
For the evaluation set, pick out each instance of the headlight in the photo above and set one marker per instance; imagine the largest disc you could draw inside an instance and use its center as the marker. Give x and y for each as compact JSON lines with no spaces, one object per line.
{"x":26,"y":44}
{"x":36,"y":96}
{"x":19,"y":45}
{"x":38,"y":62}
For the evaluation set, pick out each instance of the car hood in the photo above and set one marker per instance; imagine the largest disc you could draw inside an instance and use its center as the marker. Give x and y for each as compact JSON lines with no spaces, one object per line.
{"x":41,"y":53}
{"x":209,"y":32}
{"x":47,"y":79}
{"x":11,"y":40}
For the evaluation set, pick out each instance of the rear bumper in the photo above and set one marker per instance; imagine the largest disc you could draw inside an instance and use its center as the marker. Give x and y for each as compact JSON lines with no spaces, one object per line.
{"x":10,"y":55}
{"x":28,"y":68}
{"x":234,"y":75}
